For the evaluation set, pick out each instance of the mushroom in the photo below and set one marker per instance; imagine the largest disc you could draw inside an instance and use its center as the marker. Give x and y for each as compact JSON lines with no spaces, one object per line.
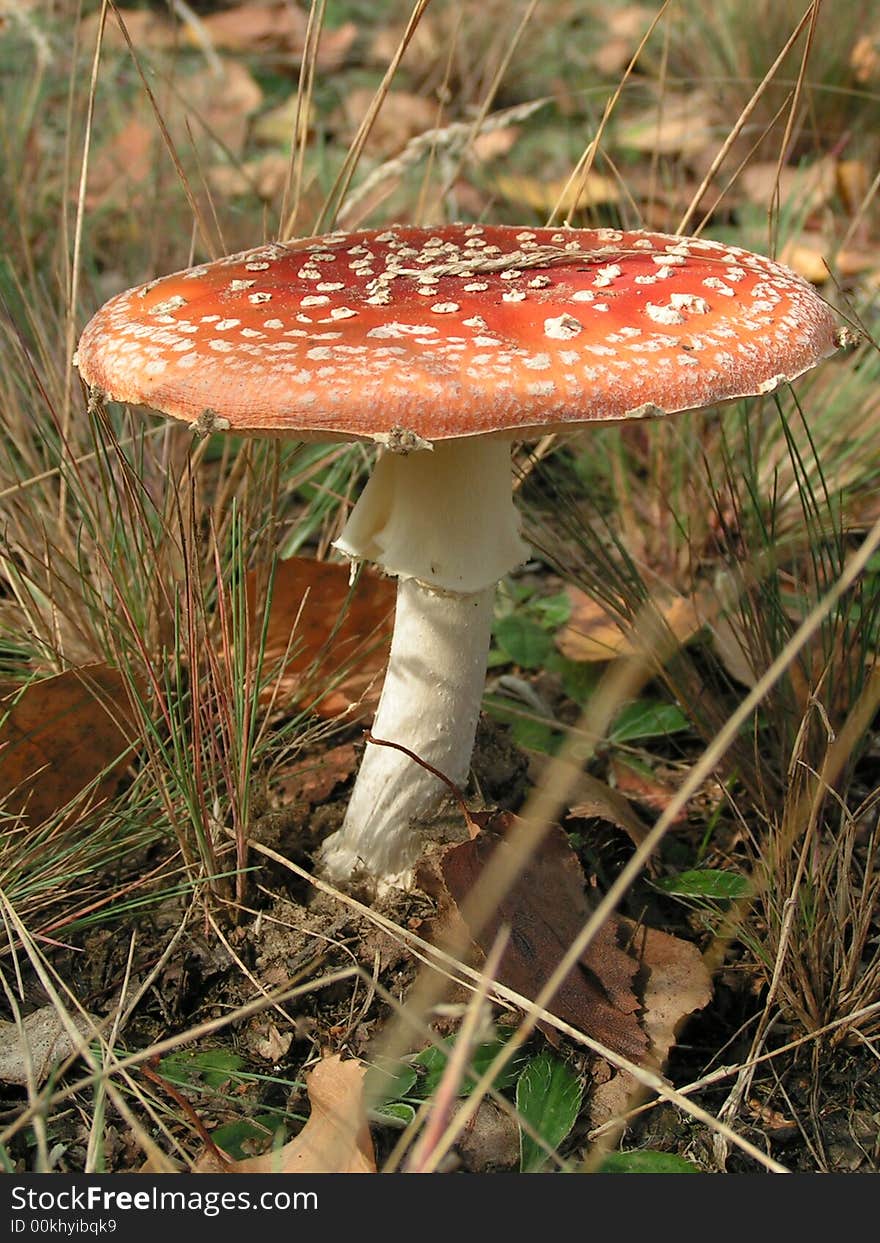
{"x":442,"y":345}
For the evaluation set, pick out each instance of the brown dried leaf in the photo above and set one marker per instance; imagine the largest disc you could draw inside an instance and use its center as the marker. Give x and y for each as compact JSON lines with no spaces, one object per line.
{"x":124,"y":162}
{"x":329,"y":642}
{"x":60,"y":734}
{"x":335,"y":1140}
{"x":853,"y":183}
{"x":264,"y":177}
{"x":864,"y":59}
{"x":545,"y":911}
{"x":494,"y":143}
{"x":591,"y":634}
{"x":401,"y":117}
{"x":773,"y":1122}
{"x":314,"y":779}
{"x":730,"y":643}
{"x":274,"y":26}
{"x":597,"y":800}
{"x":645,"y":787}
{"x":145,"y":29}
{"x":257,"y":27}
{"x":677,"y":984}
{"x":808,"y":188}
{"x":272,"y":1045}
{"x":624,"y":29}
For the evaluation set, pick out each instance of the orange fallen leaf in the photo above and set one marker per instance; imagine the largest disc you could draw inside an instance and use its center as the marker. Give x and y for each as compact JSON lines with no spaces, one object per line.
{"x":592,"y":634}
{"x":644,"y":786}
{"x":335,"y":1140}
{"x":60,"y":734}
{"x":327,"y":643}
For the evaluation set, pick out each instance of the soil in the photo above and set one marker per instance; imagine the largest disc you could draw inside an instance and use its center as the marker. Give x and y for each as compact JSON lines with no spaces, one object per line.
{"x":289,"y":934}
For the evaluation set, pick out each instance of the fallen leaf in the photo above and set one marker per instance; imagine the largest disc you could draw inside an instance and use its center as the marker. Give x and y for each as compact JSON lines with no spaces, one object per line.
{"x":124,"y":161}
{"x":401,"y":117}
{"x":335,"y":1140}
{"x":594,"y":799}
{"x":59,"y":735}
{"x":313,"y":779}
{"x":677,"y":125}
{"x":592,"y":634}
{"x":644,"y":786}
{"x":213,"y":108}
{"x":145,"y":29}
{"x":773,"y":1122}
{"x":864,"y":59}
{"x":253,"y":27}
{"x":545,"y":910}
{"x":623,"y":30}
{"x":543,"y":196}
{"x":327,"y":643}
{"x":494,"y":143}
{"x":817,"y":260}
{"x":804,"y":188}
{"x":274,"y":26}
{"x":277,"y":126}
{"x":730,"y":644}
{"x":273,"y":1045}
{"x":677,"y":984}
{"x":43,"y":1040}
{"x":853,"y":183}
{"x":809,"y":259}
{"x":264,"y":177}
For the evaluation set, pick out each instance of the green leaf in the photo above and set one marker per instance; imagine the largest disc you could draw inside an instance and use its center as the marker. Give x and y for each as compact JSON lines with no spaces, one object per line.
{"x":647,"y":1161}
{"x":232,"y":1136}
{"x":523,"y":641}
{"x":579,"y":677}
{"x":548,"y":1097}
{"x":647,"y":718}
{"x":433,"y":1062}
{"x":388,"y":1081}
{"x":706,"y":883}
{"x":553,"y":611}
{"x":213,"y":1067}
{"x":529,"y":732}
{"x":402,"y":1111}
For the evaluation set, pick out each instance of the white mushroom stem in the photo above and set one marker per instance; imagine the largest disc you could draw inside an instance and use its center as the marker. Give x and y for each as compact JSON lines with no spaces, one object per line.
{"x":445,"y":523}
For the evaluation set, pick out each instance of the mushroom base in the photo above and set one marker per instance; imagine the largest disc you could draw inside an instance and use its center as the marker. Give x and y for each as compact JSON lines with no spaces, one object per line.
{"x":430,"y":703}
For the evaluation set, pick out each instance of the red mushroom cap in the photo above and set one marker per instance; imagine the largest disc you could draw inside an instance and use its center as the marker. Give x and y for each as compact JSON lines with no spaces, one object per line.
{"x":456,"y":331}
